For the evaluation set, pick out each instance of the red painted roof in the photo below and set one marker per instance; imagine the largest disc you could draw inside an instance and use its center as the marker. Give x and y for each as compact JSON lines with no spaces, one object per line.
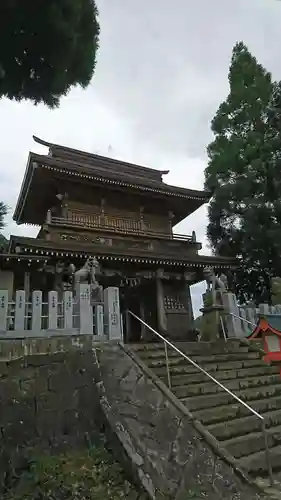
{"x":262,"y":327}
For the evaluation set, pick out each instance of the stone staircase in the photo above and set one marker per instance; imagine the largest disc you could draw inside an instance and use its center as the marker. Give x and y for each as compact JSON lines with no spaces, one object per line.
{"x":242,"y":370}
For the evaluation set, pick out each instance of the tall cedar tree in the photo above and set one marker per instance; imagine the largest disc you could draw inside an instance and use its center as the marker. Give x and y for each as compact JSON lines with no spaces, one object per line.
{"x":3,"y":213}
{"x":46,"y":47}
{"x":244,"y":176}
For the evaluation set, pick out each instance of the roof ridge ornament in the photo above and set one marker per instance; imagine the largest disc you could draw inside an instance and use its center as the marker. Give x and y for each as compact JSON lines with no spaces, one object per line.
{"x":41,"y":141}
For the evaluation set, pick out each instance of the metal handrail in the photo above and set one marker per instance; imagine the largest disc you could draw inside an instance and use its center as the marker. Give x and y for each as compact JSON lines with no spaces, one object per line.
{"x":237,"y":317}
{"x":242,"y":319}
{"x":254,"y":412}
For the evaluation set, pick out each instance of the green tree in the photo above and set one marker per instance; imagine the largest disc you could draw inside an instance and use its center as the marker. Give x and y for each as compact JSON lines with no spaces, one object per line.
{"x":3,"y":213}
{"x":243,"y":174}
{"x":46,"y":47}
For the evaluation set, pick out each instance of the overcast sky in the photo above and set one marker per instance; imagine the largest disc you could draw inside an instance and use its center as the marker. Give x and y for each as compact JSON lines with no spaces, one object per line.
{"x":161,"y":74}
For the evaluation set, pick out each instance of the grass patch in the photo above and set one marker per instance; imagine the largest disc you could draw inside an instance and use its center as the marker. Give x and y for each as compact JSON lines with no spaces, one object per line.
{"x":90,"y":474}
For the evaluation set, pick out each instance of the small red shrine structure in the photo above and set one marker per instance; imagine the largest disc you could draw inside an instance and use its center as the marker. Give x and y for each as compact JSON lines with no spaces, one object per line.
{"x":268,"y":330}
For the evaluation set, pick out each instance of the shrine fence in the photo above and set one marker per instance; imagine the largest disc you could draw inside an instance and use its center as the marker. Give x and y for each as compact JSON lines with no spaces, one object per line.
{"x":72,"y":314}
{"x":240,"y":321}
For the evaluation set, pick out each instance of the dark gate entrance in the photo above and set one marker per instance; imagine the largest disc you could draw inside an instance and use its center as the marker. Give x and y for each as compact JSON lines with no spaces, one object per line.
{"x":140,"y":300}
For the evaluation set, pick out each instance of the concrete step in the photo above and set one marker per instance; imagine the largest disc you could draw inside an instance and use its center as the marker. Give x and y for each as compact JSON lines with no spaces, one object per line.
{"x":217,"y":347}
{"x":242,"y":371}
{"x":240,"y":426}
{"x":222,"y":375}
{"x":253,"y":442}
{"x":235,"y":410}
{"x":256,"y":463}
{"x":252,"y":359}
{"x":211,"y":401}
{"x":220,"y":358}
{"x":213,"y":368}
{"x":157,"y":357}
{"x":185,"y":391}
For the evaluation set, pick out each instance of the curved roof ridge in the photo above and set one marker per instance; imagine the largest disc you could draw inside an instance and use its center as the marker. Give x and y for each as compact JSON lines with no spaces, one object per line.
{"x":113,"y":161}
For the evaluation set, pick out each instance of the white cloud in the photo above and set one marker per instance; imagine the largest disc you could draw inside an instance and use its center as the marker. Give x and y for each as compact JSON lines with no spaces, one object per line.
{"x":161,"y":73}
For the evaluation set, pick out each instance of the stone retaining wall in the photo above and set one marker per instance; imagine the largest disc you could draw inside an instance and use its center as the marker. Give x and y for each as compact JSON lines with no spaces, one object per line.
{"x":46,"y":402}
{"x":17,"y":348}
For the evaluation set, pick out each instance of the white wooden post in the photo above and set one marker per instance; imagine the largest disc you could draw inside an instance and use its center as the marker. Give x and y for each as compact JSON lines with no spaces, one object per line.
{"x":264,"y":308}
{"x":278,"y":309}
{"x":251,"y":316}
{"x":245,"y":326}
{"x":20,"y":310}
{"x":4,"y":299}
{"x":85,"y":309}
{"x":68,"y":310}
{"x":52,"y":310}
{"x":99,"y":325}
{"x":36,"y":321}
{"x":112,"y":313}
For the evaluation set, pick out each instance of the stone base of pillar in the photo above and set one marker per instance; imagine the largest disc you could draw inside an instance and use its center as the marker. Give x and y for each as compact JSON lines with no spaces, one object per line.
{"x":211,"y":322}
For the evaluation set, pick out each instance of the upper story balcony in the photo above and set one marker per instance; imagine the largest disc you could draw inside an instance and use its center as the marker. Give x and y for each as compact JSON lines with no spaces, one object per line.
{"x":118,"y":226}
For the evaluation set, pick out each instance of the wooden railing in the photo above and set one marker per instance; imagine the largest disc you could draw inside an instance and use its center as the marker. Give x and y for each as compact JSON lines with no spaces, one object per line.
{"x":116,"y":225}
{"x":104,"y":222}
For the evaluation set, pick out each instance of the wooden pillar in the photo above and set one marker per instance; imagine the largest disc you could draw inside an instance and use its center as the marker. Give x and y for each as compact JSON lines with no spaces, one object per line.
{"x":188,"y":278}
{"x":190,"y":308}
{"x":142,"y":225}
{"x":128,"y":325}
{"x":64,"y":206}
{"x":27,"y":285}
{"x":171,"y":216}
{"x":188,"y":298}
{"x":102,"y":216}
{"x":142,"y":316}
{"x":161,"y":314}
{"x":49,"y":217}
